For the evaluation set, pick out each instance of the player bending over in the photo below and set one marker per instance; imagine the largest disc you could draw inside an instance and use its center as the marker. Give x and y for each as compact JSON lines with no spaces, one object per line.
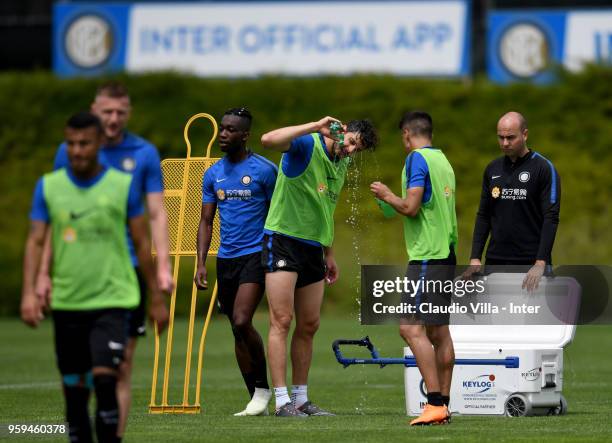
{"x":297,"y":246}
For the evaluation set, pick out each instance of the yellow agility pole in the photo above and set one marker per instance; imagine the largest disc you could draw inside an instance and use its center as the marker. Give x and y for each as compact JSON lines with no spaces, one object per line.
{"x":183,"y":200}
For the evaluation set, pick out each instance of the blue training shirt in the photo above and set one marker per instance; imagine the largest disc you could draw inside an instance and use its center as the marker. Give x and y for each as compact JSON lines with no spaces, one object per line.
{"x":417,"y":174}
{"x":242,"y":192}
{"x":297,"y":157}
{"x":133,"y":155}
{"x":40,"y":211}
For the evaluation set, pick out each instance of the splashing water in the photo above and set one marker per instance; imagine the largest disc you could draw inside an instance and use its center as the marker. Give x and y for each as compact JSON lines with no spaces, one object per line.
{"x":354,"y":180}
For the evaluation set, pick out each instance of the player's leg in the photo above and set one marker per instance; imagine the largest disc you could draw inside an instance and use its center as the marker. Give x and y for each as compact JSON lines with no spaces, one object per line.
{"x":280,"y":287}
{"x":247,"y":299}
{"x":412,"y":329}
{"x":124,"y":384}
{"x":278,"y":261}
{"x":71,"y":330}
{"x":251,"y":282}
{"x":228,"y":276}
{"x":420,"y":345}
{"x":107,"y":406}
{"x":415,"y":336}
{"x":440,"y":337}
{"x":308,"y":301}
{"x":108,"y":340}
{"x":437,"y":327}
{"x":243,"y":358}
{"x":136,"y":328}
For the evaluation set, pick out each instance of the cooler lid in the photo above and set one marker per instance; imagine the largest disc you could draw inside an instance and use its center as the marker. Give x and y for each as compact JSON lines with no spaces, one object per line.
{"x":522,"y":335}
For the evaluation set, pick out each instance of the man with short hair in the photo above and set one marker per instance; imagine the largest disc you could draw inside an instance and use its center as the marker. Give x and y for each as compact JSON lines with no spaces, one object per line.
{"x":134,"y":155}
{"x":85,"y":207}
{"x":519,"y":206}
{"x":241,"y":186}
{"x":430,"y":231}
{"x":297,"y":246}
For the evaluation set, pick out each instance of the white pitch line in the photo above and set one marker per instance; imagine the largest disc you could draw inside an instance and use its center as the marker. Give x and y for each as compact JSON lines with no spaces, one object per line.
{"x":46,"y":384}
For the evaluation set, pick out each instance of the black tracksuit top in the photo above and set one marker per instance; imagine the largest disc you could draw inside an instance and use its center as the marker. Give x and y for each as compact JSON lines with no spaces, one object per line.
{"x":519,"y":207}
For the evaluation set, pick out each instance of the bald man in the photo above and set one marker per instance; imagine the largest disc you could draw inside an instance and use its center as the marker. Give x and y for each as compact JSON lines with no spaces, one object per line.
{"x":519,"y":206}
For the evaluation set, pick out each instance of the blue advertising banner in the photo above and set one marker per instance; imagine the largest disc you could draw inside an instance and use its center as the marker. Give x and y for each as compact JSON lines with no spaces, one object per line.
{"x":89,"y":39}
{"x":253,"y":38}
{"x":527,"y":45}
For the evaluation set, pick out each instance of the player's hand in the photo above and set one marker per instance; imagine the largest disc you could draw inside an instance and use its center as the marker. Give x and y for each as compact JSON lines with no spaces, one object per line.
{"x":331,"y":269}
{"x":31,"y":310}
{"x":323,"y":126}
{"x":158,"y":312}
{"x":474,"y":268}
{"x":532,"y":279}
{"x":381,"y":191}
{"x":200,"y":277}
{"x":43,"y":289}
{"x":165,"y":281}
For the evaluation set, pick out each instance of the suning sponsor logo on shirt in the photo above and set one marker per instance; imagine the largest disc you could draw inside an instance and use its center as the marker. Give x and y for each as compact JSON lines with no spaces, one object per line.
{"x":514,"y":194}
{"x":237,"y":194}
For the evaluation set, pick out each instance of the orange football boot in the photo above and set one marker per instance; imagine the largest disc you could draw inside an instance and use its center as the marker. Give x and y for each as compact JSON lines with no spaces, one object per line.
{"x":431,"y":415}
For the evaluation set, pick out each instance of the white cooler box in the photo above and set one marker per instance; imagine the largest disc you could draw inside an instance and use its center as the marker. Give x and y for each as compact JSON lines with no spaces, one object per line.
{"x":529,"y":382}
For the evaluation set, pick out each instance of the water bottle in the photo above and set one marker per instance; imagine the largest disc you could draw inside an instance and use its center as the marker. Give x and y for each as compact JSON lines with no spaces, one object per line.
{"x":336,"y":130}
{"x":387,"y":210}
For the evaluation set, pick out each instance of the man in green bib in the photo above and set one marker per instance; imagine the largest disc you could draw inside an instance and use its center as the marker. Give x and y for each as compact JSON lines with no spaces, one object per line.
{"x":427,"y":205}
{"x":297,"y":245}
{"x":85,"y":206}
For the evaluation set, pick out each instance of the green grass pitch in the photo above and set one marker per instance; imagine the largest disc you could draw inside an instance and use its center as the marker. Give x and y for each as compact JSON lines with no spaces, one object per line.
{"x":369,"y":401}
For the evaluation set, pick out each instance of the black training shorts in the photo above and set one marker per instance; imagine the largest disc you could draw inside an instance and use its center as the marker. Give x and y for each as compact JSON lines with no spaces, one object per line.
{"x":431,"y":295}
{"x":87,"y":339}
{"x":231,"y":273}
{"x":282,"y":253}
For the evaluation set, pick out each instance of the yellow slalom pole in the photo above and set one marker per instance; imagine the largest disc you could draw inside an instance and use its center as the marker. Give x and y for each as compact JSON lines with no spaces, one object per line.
{"x":170,"y":334}
{"x":155,"y":367}
{"x":211,"y":306}
{"x":194,"y":300}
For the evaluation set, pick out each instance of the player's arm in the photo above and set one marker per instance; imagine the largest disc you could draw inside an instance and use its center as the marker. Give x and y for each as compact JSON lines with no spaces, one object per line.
{"x":332,"y":273}
{"x":408,"y":206}
{"x":482,"y":227}
{"x":158,"y":219}
{"x":417,"y":173}
{"x":280,"y":139}
{"x":43,"y":279}
{"x":31,"y":308}
{"x":205,"y":228}
{"x":550,"y":204}
{"x":158,"y":312}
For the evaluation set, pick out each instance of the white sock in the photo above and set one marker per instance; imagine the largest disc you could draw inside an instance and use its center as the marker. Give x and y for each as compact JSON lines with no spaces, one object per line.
{"x":299,"y":395}
{"x":282,"y":396}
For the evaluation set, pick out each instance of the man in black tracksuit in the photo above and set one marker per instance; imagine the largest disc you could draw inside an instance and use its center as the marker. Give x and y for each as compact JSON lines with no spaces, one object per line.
{"x":519,"y":205}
